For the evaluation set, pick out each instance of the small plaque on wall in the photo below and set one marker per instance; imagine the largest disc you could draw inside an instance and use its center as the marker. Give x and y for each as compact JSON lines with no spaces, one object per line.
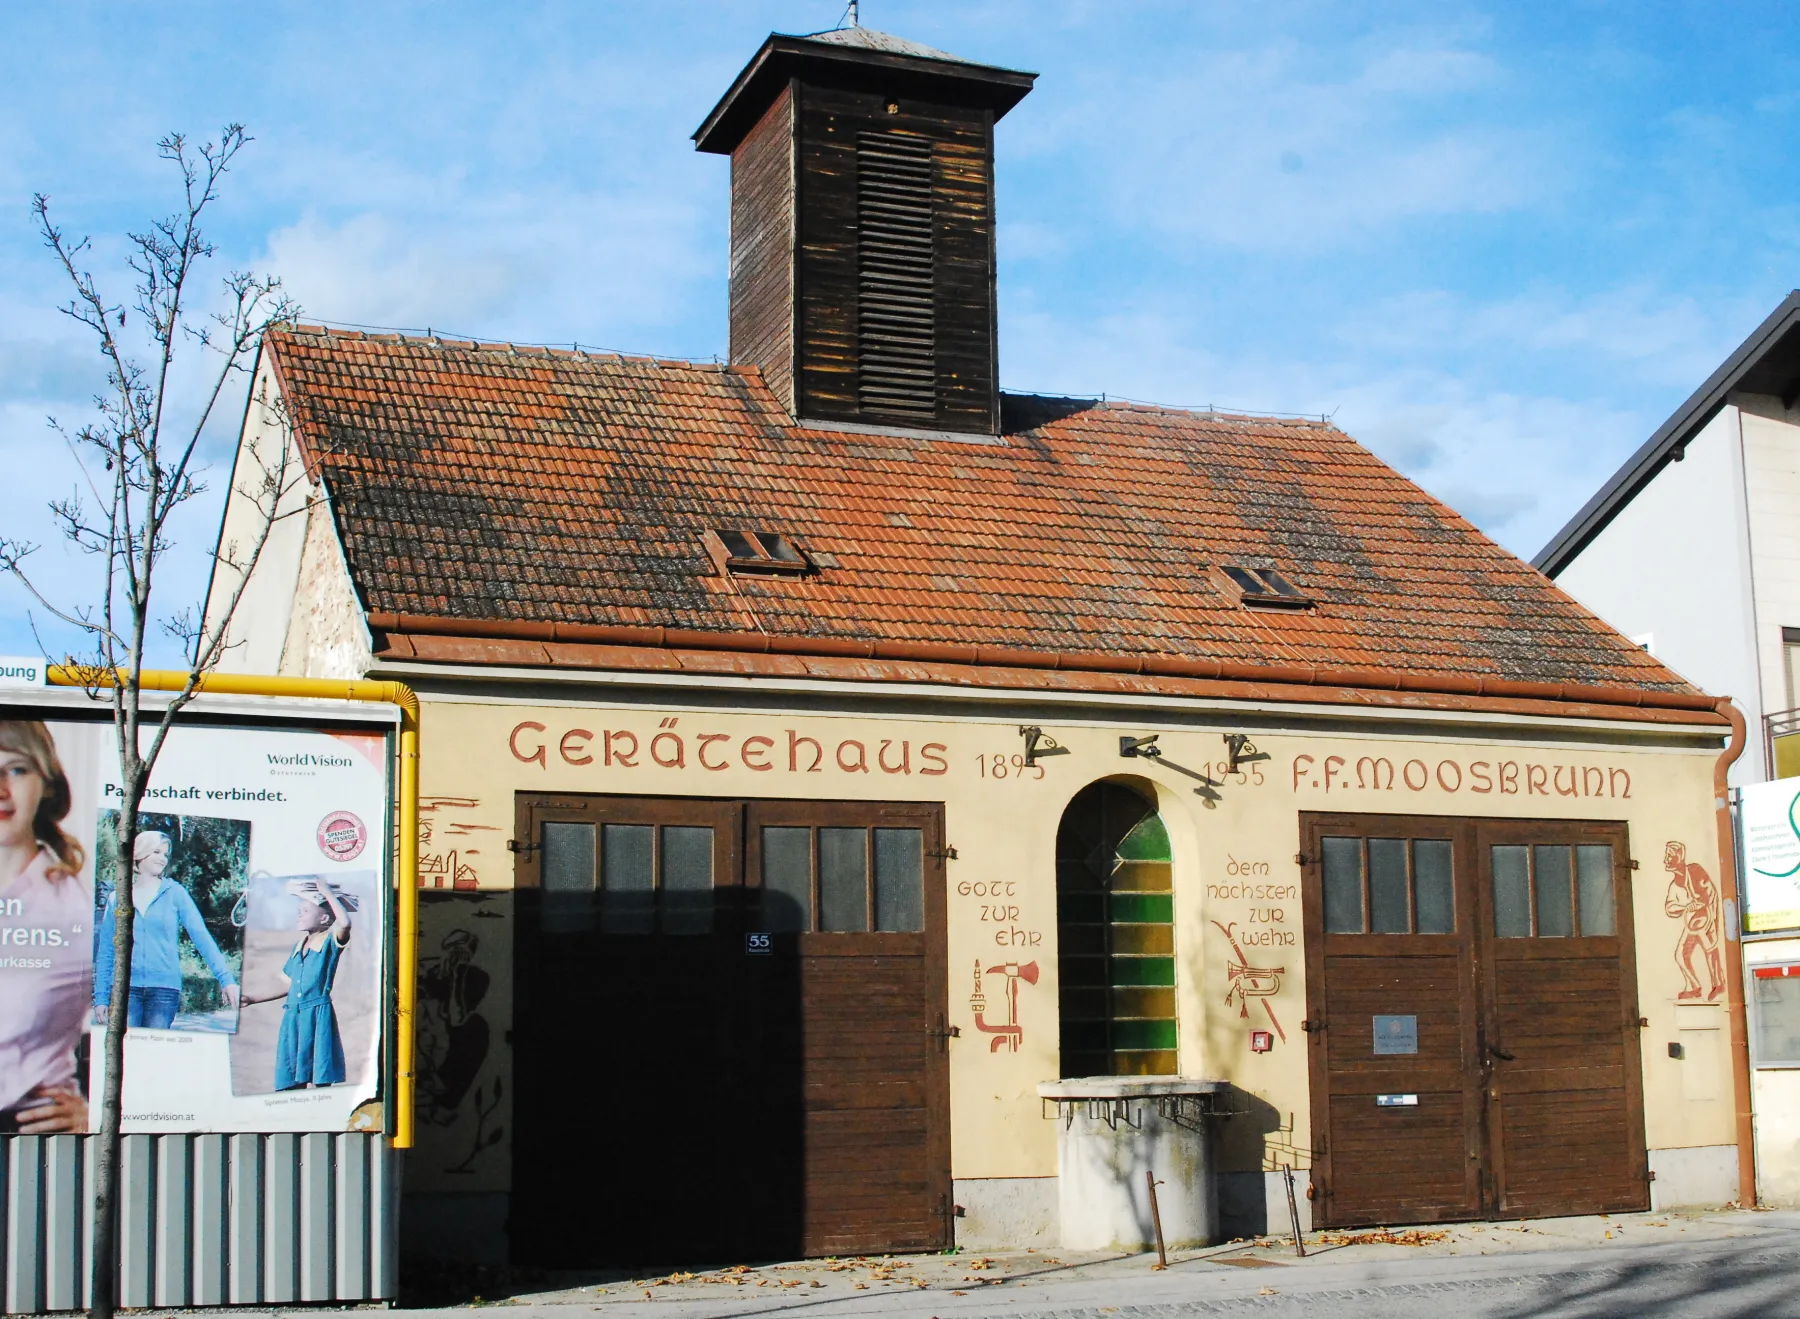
{"x":1396,"y":1034}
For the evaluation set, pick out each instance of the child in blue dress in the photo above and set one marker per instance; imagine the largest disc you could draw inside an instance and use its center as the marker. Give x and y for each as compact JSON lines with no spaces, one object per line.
{"x":308,"y":1049}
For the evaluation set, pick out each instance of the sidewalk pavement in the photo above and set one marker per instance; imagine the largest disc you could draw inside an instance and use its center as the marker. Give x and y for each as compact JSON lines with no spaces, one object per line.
{"x":1668,"y":1265}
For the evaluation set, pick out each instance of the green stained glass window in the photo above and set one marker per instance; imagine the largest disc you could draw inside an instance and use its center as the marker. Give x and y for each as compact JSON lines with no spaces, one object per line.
{"x":1115,"y":919}
{"x":1147,"y":841}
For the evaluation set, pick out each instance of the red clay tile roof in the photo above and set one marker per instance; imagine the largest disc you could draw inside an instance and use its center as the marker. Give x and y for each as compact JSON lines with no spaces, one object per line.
{"x":481,"y":482}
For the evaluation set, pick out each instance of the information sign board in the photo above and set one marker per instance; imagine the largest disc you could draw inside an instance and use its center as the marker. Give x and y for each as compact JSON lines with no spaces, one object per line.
{"x":1770,"y":820}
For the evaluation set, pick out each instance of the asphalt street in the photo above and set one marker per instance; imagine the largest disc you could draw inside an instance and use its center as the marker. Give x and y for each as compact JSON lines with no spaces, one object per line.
{"x":1655,"y":1266}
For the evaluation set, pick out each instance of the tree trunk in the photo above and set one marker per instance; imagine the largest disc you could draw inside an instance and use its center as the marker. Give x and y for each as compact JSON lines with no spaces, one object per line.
{"x":106,"y":1172}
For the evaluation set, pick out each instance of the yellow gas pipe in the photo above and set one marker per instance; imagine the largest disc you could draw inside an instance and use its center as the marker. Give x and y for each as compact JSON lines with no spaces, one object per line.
{"x":406,"y":916}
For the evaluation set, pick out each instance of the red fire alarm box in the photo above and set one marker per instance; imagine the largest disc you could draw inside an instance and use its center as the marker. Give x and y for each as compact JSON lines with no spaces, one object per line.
{"x":1261,"y":1041}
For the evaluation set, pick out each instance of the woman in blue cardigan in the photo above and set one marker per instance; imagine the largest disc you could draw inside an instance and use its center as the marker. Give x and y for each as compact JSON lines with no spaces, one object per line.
{"x":164,"y":909}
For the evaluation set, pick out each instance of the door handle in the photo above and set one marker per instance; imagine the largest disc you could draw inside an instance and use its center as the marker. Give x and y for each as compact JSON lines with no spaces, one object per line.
{"x":1500,"y":1053}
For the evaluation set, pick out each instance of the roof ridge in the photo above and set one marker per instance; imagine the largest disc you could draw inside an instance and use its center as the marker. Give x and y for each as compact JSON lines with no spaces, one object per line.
{"x":1179,"y":409}
{"x":575,"y":350}
{"x":511,"y":347}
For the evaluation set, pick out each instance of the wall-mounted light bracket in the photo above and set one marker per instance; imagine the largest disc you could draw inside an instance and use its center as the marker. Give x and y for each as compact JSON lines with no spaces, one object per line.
{"x":1038,"y":743}
{"x":1240,"y":750}
{"x":1146,"y":747}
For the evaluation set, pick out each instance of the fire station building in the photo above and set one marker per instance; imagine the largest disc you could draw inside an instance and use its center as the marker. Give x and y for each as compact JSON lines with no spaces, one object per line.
{"x":824,"y":751}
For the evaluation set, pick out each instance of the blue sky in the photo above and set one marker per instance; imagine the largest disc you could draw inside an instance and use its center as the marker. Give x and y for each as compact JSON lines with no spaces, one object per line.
{"x":1499,"y":243}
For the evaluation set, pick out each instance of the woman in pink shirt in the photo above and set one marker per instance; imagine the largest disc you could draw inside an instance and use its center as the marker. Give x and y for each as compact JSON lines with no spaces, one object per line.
{"x":46,"y":948}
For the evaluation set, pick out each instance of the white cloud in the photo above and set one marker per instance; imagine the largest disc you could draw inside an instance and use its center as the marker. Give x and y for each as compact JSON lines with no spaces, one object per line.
{"x":1427,"y":69}
{"x":619,"y":270}
{"x":1280,"y":146}
{"x":1641,"y":334}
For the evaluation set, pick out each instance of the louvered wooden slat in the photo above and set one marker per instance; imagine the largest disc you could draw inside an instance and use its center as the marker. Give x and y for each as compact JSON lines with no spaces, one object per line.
{"x":896,"y":328}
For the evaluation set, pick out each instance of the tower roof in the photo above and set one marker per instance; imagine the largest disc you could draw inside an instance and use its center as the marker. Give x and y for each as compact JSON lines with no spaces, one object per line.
{"x":867,"y":38}
{"x":856,"y":57}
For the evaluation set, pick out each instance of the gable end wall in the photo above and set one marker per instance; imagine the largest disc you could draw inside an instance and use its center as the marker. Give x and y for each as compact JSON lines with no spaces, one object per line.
{"x":1674,"y":565}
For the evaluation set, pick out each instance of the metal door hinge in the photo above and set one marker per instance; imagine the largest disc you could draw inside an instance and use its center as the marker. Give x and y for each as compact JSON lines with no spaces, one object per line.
{"x":522,"y":849}
{"x":1309,"y":1025}
{"x":1300,"y":858}
{"x":948,"y":854}
{"x":1631,"y":864}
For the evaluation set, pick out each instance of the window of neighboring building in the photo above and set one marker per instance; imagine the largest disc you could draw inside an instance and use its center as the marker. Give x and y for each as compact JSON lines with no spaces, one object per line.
{"x":1775,"y":1016}
{"x":1790,"y":657}
{"x":1116,"y":933}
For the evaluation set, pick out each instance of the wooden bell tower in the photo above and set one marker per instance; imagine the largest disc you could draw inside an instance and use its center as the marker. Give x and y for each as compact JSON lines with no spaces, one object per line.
{"x":862,"y":228}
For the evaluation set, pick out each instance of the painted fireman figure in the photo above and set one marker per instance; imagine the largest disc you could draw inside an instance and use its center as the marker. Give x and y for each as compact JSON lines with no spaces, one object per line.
{"x":1693,"y":899}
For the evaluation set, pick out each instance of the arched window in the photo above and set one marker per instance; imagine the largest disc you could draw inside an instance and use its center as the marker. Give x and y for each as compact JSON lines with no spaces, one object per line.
{"x":1115,"y":935}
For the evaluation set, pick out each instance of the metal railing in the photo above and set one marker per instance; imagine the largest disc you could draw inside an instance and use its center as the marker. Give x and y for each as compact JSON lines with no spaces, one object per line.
{"x":1781,"y":757}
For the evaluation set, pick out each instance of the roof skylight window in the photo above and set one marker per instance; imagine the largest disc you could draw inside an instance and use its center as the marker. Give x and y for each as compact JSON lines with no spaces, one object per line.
{"x":742,"y":551}
{"x":1265,"y":588}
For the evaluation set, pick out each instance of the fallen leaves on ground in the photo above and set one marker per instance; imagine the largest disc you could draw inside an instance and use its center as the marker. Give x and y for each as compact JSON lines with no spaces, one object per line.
{"x":875,"y":1269}
{"x":1384,"y":1237}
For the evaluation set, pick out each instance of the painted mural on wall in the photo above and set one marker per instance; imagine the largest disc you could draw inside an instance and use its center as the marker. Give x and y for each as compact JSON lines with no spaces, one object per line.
{"x":1008,"y":1033}
{"x":448,"y":830}
{"x":1264,"y":912}
{"x":1245,"y":981}
{"x":1693,"y":899}
{"x":464,"y":972}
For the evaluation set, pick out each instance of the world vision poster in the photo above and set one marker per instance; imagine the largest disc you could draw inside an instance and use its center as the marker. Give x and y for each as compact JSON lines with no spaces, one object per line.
{"x":260,"y":929}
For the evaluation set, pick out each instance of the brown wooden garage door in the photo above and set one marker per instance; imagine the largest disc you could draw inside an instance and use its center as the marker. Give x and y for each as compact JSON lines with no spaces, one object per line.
{"x":729,"y":1031}
{"x":1472,"y":1018}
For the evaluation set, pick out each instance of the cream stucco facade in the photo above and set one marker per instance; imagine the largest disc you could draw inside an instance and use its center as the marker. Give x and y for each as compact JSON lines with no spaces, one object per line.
{"x":1236,"y":876}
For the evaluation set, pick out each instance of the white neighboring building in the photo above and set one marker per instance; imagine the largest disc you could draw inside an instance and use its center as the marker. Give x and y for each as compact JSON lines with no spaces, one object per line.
{"x":1693,"y":547}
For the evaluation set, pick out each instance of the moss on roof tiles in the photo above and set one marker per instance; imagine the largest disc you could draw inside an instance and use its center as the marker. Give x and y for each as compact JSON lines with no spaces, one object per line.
{"x":490,"y":483}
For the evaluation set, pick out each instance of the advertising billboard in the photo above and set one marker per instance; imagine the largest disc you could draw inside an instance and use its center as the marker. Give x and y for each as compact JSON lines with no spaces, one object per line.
{"x":262,"y":899}
{"x":1771,"y":830}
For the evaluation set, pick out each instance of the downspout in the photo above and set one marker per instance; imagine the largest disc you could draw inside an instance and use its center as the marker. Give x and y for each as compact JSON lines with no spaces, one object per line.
{"x":1734,"y":954}
{"x":406,"y":912}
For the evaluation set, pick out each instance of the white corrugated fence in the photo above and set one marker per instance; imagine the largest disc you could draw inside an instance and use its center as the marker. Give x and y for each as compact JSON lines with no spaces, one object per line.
{"x":206,"y":1220}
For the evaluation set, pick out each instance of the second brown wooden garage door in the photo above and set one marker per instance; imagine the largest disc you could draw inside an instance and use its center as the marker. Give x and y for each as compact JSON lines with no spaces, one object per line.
{"x":1472,"y":1018}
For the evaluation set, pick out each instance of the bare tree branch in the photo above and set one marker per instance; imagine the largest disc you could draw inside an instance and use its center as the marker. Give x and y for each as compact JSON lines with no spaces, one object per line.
{"x":138,"y":469}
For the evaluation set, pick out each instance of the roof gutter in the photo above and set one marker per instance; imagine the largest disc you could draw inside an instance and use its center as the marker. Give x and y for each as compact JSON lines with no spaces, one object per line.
{"x":668,"y":638}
